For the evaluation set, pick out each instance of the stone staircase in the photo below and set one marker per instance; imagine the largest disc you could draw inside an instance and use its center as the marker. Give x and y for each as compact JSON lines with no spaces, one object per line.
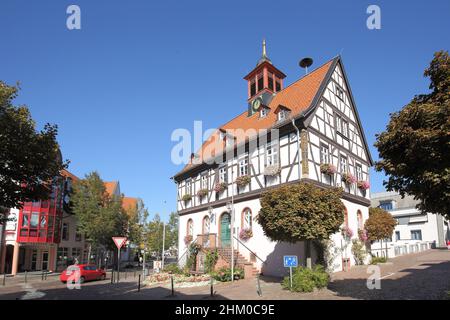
{"x":239,"y":260}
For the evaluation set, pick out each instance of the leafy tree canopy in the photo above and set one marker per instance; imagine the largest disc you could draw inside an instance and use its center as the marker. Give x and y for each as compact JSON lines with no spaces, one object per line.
{"x":300,"y":212}
{"x":380,"y":224}
{"x":29,"y":159}
{"x":415,"y":147}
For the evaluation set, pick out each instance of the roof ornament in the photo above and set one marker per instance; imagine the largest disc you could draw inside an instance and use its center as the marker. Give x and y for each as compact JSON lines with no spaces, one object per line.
{"x":264,"y":54}
{"x":264,"y":49}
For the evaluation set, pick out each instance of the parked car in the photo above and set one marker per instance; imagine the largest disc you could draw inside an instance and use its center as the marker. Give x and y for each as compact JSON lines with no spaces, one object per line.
{"x":82,"y":272}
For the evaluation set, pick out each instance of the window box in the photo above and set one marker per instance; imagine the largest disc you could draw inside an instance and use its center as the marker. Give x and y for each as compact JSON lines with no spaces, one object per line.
{"x":363,"y":185}
{"x":202,"y":192}
{"x":220,"y":186}
{"x":348,"y":178}
{"x":272,"y":170}
{"x":347,"y":233}
{"x":328,"y":169}
{"x":242,"y":181}
{"x":245,"y":234}
{"x":186,"y":197}
{"x":188,"y":239}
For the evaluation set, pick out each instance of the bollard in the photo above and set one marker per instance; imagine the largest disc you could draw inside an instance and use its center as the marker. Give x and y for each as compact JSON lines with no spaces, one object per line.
{"x":139,"y":283}
{"x":112,"y":276}
{"x":171,"y":280}
{"x":212,"y":287}
{"x":42,"y":275}
{"x":4,"y":279}
{"x":26,"y":274}
{"x":45,"y":275}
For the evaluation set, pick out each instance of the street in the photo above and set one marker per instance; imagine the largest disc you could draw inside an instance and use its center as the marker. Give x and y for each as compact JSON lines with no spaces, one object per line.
{"x":424,"y":275}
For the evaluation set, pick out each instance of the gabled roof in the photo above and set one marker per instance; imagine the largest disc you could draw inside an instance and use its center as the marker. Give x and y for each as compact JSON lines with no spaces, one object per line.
{"x":129,"y":203}
{"x":66,"y":174}
{"x":298,"y":97}
{"x":111,"y":187}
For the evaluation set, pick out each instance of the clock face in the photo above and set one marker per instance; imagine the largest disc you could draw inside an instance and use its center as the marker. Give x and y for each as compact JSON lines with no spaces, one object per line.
{"x":256,"y":104}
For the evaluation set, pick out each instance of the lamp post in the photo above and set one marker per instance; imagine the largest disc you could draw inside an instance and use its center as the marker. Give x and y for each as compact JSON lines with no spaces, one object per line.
{"x":230,"y":207}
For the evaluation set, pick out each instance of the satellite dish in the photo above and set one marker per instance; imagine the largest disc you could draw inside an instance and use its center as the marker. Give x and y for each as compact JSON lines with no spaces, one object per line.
{"x":305,"y":63}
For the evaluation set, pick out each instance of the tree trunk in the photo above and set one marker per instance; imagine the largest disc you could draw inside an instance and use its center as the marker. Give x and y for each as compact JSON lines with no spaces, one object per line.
{"x":89,"y":254}
{"x":308,"y":254}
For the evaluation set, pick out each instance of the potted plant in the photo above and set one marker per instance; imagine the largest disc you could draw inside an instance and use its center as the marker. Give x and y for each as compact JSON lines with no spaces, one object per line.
{"x":202,"y":192}
{"x":348,"y":178}
{"x":242,"y":181}
{"x":363,"y":185}
{"x":272,"y":170}
{"x":327,"y":168}
{"x":245,"y":234}
{"x":186,"y":197}
{"x":220,"y":186}
{"x":347,"y":233}
{"x":362,"y":235}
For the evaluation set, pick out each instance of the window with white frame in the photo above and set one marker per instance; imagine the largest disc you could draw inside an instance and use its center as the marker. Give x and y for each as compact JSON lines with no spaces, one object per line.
{"x":204,"y":181}
{"x":343,"y":164}
{"x":206,"y":225}
{"x":283,"y":115}
{"x":359,"y":174}
{"x":339,"y":93}
{"x":271,"y":154}
{"x":341,"y":126}
{"x":223,"y":176}
{"x":190,"y":227}
{"x":188,"y":186}
{"x":264,"y":112}
{"x":247,"y":219}
{"x":243,"y":166}
{"x":324,"y":153}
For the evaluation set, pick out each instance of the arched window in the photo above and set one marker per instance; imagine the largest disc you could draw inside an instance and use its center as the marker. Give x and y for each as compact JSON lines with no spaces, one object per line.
{"x":206,"y":225}
{"x":190,"y":227}
{"x":246,"y":219}
{"x":360,"y":220}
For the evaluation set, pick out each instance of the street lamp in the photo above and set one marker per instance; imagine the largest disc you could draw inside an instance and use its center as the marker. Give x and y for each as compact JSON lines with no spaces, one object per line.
{"x":230,"y":207}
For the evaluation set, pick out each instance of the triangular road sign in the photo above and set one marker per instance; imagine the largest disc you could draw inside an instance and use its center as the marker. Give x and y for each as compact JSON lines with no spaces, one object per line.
{"x":119,"y":241}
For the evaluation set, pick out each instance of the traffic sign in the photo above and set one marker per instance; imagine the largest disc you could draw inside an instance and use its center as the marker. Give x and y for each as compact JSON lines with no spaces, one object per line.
{"x":290,"y":261}
{"x":119,"y":241}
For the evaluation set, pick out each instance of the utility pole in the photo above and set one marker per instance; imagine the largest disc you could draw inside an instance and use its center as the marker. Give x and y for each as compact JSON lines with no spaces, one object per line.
{"x":164,"y":239}
{"x":232,"y":224}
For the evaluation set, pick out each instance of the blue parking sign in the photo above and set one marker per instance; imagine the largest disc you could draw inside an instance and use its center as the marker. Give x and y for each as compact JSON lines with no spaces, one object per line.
{"x":290,"y":261}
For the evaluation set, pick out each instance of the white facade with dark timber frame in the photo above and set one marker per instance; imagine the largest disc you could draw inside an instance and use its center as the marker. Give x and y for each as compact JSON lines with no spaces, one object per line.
{"x":330,"y":131}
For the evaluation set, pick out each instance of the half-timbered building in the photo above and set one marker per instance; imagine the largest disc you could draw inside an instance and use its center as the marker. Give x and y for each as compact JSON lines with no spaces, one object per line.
{"x":314,"y":135}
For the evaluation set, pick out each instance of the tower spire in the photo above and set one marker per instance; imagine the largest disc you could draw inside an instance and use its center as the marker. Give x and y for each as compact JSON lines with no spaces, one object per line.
{"x":264,"y":54}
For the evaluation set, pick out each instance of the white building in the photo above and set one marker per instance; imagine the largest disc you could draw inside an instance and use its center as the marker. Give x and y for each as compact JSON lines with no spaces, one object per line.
{"x":327,"y":131}
{"x":415,"y":230}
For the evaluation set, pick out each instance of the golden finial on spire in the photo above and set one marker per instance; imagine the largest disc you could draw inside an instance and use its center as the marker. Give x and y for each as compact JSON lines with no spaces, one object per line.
{"x":264,"y":48}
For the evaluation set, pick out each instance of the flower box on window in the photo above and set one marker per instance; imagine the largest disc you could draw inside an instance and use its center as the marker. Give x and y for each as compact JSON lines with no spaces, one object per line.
{"x":363,"y":185}
{"x":328,"y":169}
{"x":245,"y":234}
{"x":220,"y":186}
{"x":186,"y":197}
{"x":348,"y":178}
{"x":272,"y":170}
{"x":362,"y":235}
{"x":202,"y":192}
{"x":242,"y":181}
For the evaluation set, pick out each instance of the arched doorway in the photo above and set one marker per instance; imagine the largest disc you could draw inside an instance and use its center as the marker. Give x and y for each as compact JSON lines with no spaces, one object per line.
{"x":225,"y":230}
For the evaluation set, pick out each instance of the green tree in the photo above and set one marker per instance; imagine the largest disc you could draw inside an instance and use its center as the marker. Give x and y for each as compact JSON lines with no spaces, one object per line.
{"x":137,"y":220}
{"x":172,"y":231}
{"x":415,"y":147}
{"x":100,"y":216}
{"x":29,"y":160}
{"x":301,"y":212}
{"x":380,"y":225}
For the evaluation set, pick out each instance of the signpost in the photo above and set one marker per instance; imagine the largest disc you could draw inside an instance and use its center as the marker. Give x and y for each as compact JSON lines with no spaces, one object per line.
{"x":289,"y":262}
{"x":119,"y":241}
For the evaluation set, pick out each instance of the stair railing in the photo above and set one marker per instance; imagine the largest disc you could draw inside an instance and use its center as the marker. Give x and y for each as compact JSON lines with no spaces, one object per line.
{"x":184,"y":255}
{"x":252,"y":252}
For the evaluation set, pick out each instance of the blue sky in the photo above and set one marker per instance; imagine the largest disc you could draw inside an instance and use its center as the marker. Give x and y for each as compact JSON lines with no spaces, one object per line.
{"x":137,"y":70}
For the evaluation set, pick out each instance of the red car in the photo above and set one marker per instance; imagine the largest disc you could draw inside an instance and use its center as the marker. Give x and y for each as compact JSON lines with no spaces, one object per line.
{"x":82,"y":272}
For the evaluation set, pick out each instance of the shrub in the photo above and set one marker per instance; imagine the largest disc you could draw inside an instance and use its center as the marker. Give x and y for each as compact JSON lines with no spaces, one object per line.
{"x":376,"y":260}
{"x":363,"y":185}
{"x":358,"y":251}
{"x":347,"y":233}
{"x":172,"y":268}
{"x":211,"y":260}
{"x":348,"y":178}
{"x":305,"y":279}
{"x":224,"y":274}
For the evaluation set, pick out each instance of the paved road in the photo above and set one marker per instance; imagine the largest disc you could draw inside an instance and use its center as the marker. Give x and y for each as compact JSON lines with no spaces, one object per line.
{"x":424,"y":275}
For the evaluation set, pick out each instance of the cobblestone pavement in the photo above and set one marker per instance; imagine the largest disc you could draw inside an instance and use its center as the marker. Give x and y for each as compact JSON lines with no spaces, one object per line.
{"x":424,"y":275}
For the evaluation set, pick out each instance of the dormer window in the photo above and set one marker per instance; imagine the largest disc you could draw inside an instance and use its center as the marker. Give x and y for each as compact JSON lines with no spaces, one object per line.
{"x":283,"y":114}
{"x":263,"y":112}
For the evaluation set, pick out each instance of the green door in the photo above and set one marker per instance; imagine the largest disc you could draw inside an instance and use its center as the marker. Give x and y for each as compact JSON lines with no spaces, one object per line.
{"x":225,"y":230}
